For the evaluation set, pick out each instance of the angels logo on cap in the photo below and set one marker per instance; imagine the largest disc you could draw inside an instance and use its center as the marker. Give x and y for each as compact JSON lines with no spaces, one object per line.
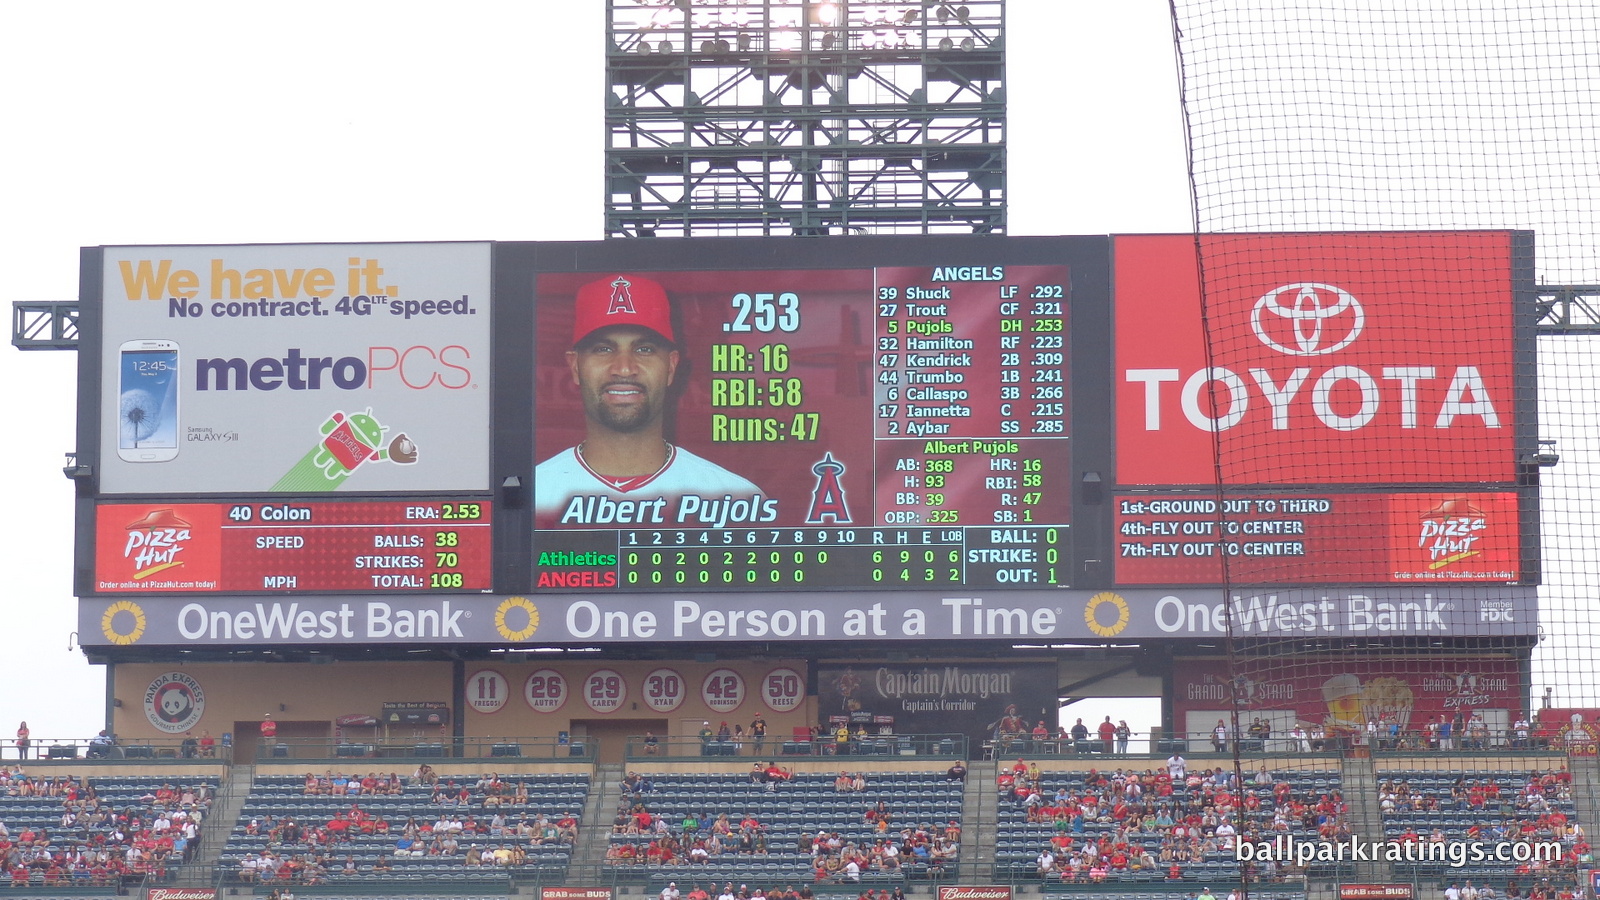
{"x":622,"y":300}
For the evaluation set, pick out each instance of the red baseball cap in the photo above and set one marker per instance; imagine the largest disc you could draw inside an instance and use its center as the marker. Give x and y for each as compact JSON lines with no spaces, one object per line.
{"x":622,"y":300}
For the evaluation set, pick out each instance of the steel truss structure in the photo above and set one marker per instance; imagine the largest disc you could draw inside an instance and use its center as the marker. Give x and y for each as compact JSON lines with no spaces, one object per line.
{"x":805,"y":117}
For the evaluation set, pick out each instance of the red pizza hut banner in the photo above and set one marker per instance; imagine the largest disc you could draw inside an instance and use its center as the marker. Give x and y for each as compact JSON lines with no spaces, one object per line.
{"x":1335,"y":358}
{"x":1171,"y":538}
{"x":1342,"y":695}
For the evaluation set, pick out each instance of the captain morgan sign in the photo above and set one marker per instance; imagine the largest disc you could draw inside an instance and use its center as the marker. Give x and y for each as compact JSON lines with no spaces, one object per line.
{"x":295,"y":368}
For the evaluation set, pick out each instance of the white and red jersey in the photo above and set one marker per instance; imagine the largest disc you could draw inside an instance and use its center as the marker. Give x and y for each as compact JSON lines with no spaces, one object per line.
{"x":567,"y":493}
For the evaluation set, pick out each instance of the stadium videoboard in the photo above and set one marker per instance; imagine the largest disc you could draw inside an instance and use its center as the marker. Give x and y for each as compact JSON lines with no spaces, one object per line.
{"x":967,"y":424}
{"x":834,"y":429}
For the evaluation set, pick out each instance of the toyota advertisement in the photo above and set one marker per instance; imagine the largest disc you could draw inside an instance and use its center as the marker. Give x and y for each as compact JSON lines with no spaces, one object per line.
{"x":1316,"y":359}
{"x":294,"y":369}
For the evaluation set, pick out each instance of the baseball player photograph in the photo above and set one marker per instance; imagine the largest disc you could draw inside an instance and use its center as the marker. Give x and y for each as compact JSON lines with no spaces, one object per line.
{"x":624,"y":360}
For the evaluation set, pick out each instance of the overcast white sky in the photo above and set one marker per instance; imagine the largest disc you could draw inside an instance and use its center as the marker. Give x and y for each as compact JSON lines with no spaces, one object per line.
{"x":205,"y":122}
{"x":169,"y":123}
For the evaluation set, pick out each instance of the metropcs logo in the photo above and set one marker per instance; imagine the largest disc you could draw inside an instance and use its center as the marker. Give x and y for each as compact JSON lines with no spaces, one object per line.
{"x":417,"y":368}
{"x":1313,"y":319}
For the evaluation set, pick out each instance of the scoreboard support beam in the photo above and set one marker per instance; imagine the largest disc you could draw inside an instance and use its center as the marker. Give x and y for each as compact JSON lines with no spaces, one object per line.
{"x":48,"y":325}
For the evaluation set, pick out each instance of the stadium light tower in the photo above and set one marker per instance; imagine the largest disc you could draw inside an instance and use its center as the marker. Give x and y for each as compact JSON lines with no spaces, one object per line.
{"x":805,"y":117}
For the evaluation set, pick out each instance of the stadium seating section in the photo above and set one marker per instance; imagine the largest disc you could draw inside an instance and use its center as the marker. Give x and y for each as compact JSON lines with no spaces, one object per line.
{"x":771,"y":830}
{"x":1174,"y":835}
{"x":1467,"y":805}
{"x":788,"y":817}
{"x":299,"y":855}
{"x":59,"y":833}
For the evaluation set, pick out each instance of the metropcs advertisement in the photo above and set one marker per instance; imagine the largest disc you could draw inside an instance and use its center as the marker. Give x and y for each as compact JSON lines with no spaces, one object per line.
{"x":297,"y":369}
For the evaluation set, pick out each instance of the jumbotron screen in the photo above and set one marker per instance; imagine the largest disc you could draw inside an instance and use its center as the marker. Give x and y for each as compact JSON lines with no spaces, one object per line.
{"x":937,"y":418}
{"x":803,"y":429}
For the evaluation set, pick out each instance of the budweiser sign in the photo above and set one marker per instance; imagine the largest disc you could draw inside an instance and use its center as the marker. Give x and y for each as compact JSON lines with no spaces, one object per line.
{"x":575,"y":893}
{"x":974,"y":892}
{"x":1375,"y":892}
{"x":181,"y":894}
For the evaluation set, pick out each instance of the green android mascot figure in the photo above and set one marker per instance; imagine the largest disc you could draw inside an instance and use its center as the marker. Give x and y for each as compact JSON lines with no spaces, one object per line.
{"x":348,"y":442}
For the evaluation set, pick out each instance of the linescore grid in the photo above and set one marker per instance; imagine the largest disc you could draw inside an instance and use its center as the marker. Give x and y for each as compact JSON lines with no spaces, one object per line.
{"x":1285,"y":849}
{"x":806,"y":558}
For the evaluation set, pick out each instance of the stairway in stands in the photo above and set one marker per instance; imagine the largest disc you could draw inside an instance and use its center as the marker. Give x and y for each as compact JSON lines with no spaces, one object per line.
{"x":1360,"y":791}
{"x":978,"y":817}
{"x":224,"y":812}
{"x":590,"y":853}
{"x":1586,"y":790}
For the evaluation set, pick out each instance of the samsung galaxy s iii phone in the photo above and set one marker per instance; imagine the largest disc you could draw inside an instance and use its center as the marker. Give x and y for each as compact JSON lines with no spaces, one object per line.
{"x":147,"y":401}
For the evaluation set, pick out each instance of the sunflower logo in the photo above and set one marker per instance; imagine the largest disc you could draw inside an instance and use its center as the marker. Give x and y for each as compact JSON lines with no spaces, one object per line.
{"x":135,"y":617}
{"x":1095,"y":619}
{"x":504,"y":615}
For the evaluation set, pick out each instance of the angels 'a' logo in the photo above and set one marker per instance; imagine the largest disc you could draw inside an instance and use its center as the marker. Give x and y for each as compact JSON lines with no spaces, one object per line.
{"x":621,"y":297}
{"x":827,"y":498}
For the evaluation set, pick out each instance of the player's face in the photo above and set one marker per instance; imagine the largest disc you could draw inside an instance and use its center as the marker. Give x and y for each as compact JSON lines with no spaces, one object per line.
{"x":623,"y":374}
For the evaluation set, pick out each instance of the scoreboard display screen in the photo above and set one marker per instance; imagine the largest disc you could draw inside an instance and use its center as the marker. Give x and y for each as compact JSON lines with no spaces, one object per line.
{"x":929,"y":420}
{"x":264,"y":547}
{"x":1267,"y":538}
{"x":803,"y":429}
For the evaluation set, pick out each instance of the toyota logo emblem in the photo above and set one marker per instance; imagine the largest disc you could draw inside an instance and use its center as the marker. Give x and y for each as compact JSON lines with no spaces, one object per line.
{"x":1306,"y":319}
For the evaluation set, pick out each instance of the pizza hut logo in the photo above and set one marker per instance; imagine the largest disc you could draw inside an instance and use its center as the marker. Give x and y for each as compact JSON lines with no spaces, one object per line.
{"x":1450,"y":532}
{"x":154,"y":542}
{"x":1307,"y":319}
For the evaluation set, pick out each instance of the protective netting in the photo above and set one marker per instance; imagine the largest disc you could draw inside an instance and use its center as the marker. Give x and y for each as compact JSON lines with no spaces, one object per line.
{"x":1383,"y":193}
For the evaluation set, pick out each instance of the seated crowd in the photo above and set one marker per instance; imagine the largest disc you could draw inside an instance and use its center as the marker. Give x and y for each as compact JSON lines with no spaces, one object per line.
{"x":852,"y":839}
{"x":1161,"y":824}
{"x":1491,"y":807}
{"x":63,"y":831}
{"x":475,"y":824}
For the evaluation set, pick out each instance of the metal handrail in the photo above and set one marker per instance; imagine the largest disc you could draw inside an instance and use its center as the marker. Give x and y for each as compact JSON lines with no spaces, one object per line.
{"x":425,"y":749}
{"x":925,"y":746}
{"x":108,"y":749}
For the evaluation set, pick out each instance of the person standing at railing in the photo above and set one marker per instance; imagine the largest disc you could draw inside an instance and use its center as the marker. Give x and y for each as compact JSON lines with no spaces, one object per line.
{"x":269,"y":729}
{"x":22,"y":740}
{"x":758,"y":733}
